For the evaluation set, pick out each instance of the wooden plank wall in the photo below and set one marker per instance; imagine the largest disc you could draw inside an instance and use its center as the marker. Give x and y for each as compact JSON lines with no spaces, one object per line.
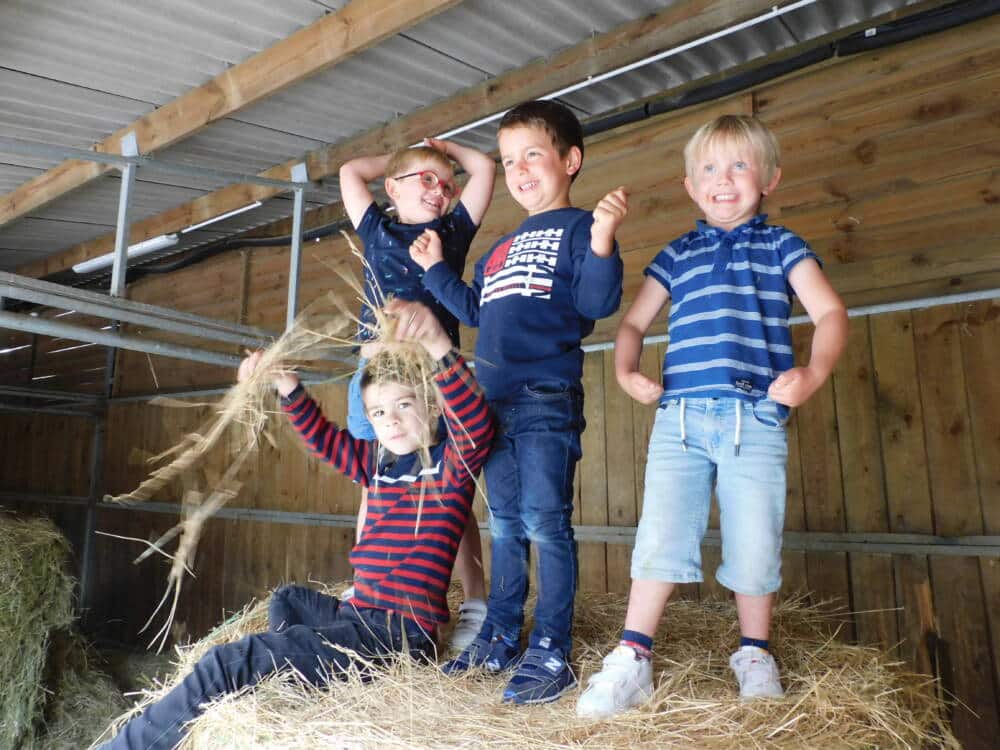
{"x":890,"y":170}
{"x":46,"y":454}
{"x":51,"y":363}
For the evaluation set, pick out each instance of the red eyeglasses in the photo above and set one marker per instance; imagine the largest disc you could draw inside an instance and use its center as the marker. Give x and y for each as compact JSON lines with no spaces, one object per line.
{"x":430,"y":180}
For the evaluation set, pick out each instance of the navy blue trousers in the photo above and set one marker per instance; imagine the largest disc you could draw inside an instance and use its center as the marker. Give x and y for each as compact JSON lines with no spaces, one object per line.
{"x":529,"y":484}
{"x":303,"y":627}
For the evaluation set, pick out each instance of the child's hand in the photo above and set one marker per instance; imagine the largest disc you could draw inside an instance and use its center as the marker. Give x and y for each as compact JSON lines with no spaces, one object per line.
{"x":426,"y":250}
{"x":608,"y":215}
{"x":415,"y":322}
{"x":794,"y":387}
{"x":641,"y":388}
{"x":437,"y":144}
{"x":284,"y":382}
{"x":370,"y":348}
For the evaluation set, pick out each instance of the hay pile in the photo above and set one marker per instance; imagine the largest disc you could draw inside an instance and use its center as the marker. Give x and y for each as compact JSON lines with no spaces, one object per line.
{"x":50,"y":696}
{"x":81,"y":701}
{"x":837,"y":696}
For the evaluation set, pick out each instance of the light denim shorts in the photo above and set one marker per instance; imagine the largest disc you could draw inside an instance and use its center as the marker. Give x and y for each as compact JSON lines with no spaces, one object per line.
{"x":694,"y":447}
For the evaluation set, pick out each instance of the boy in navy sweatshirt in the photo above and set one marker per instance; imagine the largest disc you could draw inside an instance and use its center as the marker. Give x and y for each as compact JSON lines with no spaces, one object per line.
{"x":417,"y":511}
{"x":535,"y":295}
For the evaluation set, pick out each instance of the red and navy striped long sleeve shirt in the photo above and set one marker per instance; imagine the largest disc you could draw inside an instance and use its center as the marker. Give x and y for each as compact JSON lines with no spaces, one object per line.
{"x":403,"y":564}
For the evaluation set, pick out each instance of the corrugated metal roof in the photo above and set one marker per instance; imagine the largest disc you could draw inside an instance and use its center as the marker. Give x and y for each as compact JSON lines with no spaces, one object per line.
{"x":71,"y":73}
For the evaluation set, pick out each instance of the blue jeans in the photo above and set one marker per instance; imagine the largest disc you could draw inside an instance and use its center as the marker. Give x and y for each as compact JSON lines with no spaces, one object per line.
{"x":302,"y":625}
{"x":529,"y":483}
{"x":749,"y":484}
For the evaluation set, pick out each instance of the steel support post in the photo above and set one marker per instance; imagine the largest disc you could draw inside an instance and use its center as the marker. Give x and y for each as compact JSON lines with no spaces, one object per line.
{"x":300,"y":176}
{"x":94,"y":493}
{"x":130,"y":147}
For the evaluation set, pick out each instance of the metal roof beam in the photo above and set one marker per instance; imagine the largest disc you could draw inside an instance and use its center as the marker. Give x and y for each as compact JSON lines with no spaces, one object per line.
{"x":50,"y":327}
{"x":100,"y":305}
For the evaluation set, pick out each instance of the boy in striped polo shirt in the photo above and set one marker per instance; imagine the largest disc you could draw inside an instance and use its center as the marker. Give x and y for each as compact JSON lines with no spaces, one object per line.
{"x":417,"y":511}
{"x":729,"y":380}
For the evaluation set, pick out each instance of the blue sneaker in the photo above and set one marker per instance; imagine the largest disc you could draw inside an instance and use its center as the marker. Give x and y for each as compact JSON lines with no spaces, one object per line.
{"x":542,"y":676}
{"x":494,"y":655}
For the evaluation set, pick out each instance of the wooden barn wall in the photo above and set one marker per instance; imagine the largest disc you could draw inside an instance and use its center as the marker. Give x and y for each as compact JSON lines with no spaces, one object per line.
{"x":47,"y":455}
{"x":890,"y":171}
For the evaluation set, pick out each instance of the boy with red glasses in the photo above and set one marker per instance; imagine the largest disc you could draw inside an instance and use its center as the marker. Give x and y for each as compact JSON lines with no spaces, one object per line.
{"x":420,"y":184}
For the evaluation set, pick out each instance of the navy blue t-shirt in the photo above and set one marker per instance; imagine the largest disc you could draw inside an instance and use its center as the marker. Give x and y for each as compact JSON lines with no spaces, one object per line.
{"x":535,"y":295}
{"x":389,"y":270}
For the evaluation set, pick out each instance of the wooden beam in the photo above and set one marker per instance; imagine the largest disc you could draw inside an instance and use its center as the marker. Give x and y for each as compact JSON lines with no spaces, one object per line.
{"x":322,"y":44}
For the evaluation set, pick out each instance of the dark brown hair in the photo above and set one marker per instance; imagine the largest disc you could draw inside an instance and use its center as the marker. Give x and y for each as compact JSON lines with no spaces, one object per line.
{"x":554,"y":118}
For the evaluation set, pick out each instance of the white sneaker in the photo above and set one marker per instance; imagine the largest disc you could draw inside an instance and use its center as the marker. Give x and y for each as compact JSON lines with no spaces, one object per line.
{"x":471,"y":616}
{"x":757,"y":673}
{"x":624,"y":681}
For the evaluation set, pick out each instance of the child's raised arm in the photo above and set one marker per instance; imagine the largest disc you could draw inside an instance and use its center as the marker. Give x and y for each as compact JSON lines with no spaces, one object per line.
{"x":609,"y":213}
{"x":827,"y":312}
{"x":354,"y":178}
{"x":284,"y":382}
{"x":628,"y":342}
{"x":461,"y":300}
{"x":597,"y":268}
{"x":478,"y":191}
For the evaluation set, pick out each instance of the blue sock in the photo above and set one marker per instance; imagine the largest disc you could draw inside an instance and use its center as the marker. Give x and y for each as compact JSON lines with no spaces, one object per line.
{"x":641,"y":643}
{"x":744,"y":641}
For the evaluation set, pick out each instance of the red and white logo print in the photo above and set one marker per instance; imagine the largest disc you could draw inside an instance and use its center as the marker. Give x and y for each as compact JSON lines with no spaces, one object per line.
{"x":523,"y":266}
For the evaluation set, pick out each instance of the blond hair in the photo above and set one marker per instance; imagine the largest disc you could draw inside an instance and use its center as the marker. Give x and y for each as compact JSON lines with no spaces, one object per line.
{"x":737,"y":130}
{"x":402,"y":161}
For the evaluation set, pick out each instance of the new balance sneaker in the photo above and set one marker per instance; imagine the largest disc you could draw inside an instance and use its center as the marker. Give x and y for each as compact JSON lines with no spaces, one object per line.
{"x":542,"y":676}
{"x":494,"y":655}
{"x":471,"y":616}
{"x":756,"y":672}
{"x":625,"y":680}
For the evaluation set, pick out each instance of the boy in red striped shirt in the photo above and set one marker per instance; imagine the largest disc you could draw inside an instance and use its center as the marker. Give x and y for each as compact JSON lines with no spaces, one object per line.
{"x":417,"y":511}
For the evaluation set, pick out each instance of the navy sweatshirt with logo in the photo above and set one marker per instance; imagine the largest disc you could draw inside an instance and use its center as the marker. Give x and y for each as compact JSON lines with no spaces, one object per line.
{"x":534,"y":297}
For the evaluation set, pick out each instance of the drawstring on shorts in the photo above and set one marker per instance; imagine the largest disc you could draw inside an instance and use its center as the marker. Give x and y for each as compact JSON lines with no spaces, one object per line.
{"x":684,"y":444}
{"x":739,"y":428}
{"x":736,"y":437}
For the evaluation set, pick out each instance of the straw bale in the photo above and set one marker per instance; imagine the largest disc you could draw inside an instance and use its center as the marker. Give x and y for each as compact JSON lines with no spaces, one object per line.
{"x":36,"y":600}
{"x":838,"y":695}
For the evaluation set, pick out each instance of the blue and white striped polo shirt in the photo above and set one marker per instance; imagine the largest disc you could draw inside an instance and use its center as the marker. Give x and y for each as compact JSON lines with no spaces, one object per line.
{"x":730,"y":304}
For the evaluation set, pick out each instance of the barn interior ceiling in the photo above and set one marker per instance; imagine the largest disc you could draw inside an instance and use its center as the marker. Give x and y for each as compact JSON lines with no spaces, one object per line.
{"x":71,"y":75}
